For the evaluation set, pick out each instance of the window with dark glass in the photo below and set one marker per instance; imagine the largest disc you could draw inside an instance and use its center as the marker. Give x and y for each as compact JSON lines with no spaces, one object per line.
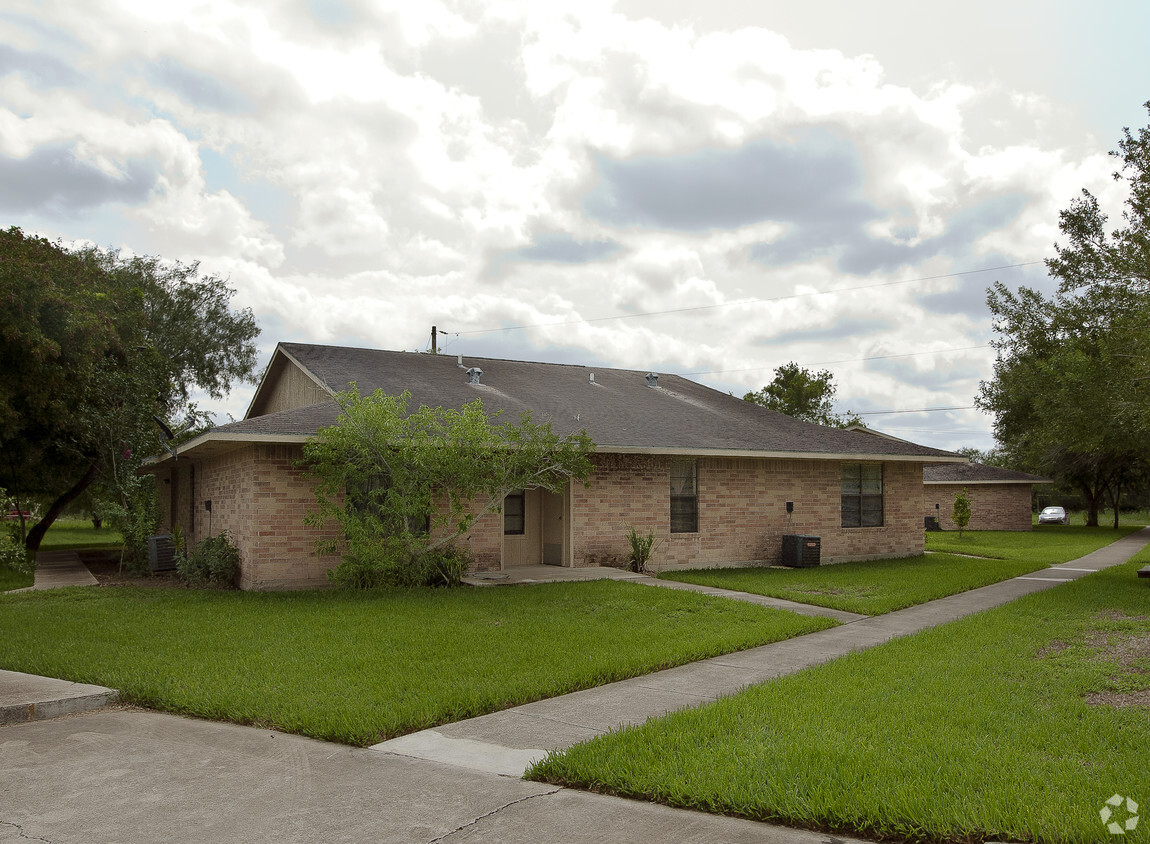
{"x":684,"y":497}
{"x":513,"y":513}
{"x":862,"y":495}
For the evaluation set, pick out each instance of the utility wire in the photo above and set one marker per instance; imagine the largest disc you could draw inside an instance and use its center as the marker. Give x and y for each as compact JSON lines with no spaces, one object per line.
{"x":919,"y":410}
{"x":744,"y":301}
{"x":844,"y":360}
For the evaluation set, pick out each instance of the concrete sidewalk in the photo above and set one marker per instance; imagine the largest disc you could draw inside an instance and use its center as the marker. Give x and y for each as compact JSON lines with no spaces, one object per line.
{"x":525,"y":575}
{"x":507,"y":742}
{"x":134,"y":776}
{"x":56,"y":569}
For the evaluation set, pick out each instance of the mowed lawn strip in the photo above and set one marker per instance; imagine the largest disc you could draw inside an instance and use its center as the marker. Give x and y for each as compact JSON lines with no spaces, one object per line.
{"x":72,"y":534}
{"x":362,"y":667}
{"x":875,"y":587}
{"x":10,"y":579}
{"x":1049,"y":544}
{"x":978,"y":730}
{"x":64,"y":534}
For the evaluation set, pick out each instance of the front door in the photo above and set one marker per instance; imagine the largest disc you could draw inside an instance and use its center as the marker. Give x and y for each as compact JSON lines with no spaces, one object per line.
{"x":551,"y":527}
{"x":521,"y":543}
{"x":533,"y":528}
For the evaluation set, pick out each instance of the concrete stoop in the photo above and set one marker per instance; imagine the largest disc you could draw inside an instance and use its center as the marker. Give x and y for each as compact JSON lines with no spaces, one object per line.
{"x":26,"y":697}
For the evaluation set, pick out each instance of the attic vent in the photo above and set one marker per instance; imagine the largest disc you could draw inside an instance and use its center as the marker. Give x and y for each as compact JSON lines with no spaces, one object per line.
{"x":474,"y":374}
{"x":652,"y":379}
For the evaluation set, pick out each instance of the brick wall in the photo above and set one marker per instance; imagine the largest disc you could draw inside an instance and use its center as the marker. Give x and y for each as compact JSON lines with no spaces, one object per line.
{"x":992,"y":506}
{"x":742,"y":511}
{"x":260,"y":496}
{"x":283,"y":553}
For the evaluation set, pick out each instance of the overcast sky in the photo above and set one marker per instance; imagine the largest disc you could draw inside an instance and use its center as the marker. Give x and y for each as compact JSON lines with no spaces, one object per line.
{"x":711,"y":189}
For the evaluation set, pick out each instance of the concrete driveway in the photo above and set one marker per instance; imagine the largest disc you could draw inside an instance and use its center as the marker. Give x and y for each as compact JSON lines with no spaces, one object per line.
{"x":137,"y":776}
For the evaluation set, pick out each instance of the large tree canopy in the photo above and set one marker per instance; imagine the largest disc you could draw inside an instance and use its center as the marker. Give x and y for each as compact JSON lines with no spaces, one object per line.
{"x":403,"y":485}
{"x":1069,"y":391}
{"x":94,"y":344}
{"x":803,"y":394}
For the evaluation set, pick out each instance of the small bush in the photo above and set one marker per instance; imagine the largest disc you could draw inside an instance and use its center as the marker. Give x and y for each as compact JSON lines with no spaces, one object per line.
{"x":445,"y":566}
{"x":389,"y":563}
{"x":214,"y":561}
{"x":962,"y":511}
{"x":13,"y":554}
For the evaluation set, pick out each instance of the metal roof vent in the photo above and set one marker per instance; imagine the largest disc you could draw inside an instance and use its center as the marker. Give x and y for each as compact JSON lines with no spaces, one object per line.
{"x":652,"y":379}
{"x":591,"y":377}
{"x":474,"y":374}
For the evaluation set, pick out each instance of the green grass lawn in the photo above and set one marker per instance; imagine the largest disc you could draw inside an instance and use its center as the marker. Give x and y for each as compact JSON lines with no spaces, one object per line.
{"x":880,"y":586}
{"x":65,"y":534}
{"x":361,"y":667}
{"x":1049,"y":544}
{"x":983,"y":729}
{"x":71,"y":534}
{"x":10,"y":579}
{"x":1133,"y":518}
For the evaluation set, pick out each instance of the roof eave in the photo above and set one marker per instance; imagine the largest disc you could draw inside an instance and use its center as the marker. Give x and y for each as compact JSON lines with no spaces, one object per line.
{"x":212,"y":437}
{"x":794,"y":455}
{"x":988,"y":483}
{"x":222,"y":437}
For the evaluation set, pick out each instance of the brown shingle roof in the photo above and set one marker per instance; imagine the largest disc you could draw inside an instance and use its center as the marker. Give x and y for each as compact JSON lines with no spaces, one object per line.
{"x":618,"y":411}
{"x":977,"y":473}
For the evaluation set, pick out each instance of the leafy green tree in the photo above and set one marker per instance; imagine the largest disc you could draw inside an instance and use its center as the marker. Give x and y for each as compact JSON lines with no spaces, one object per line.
{"x":803,"y":394}
{"x":403,"y":486}
{"x":94,"y":345}
{"x":989,"y":457}
{"x":1067,"y":392}
{"x":961,"y":513}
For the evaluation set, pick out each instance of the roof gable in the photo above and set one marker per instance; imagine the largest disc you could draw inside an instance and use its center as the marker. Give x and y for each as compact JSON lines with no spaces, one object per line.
{"x":286,"y":385}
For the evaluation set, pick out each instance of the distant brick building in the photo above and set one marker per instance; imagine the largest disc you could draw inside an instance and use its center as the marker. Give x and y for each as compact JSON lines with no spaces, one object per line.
{"x":711,"y":474}
{"x":1000,"y":498}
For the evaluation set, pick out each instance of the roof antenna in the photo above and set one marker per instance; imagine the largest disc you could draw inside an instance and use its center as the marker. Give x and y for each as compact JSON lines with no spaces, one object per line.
{"x":166,"y":435}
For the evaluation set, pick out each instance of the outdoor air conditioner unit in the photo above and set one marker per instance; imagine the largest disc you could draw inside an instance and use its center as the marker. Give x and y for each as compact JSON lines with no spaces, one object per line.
{"x":801,"y":551}
{"x":162,"y":552}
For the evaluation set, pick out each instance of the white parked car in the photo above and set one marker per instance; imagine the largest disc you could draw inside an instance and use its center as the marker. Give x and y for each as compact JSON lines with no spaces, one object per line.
{"x":1053,"y":516}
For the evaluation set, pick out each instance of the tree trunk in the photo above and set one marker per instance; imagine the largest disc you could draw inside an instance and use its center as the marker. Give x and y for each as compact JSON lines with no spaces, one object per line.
{"x":36,"y":534}
{"x":1094,"y":493}
{"x":1115,"y":500}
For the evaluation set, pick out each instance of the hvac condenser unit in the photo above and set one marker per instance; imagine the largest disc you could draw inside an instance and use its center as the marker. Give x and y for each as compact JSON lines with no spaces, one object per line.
{"x":162,"y":552}
{"x":800,"y":551}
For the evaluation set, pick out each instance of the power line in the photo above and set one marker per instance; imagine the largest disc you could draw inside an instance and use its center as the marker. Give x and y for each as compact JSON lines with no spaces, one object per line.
{"x":845,"y":360}
{"x":743,"y":301}
{"x":919,"y":410}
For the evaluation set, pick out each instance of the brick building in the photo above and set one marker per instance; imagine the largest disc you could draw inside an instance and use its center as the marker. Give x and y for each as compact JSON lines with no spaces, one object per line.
{"x":719,"y":480}
{"x":1000,"y":499}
